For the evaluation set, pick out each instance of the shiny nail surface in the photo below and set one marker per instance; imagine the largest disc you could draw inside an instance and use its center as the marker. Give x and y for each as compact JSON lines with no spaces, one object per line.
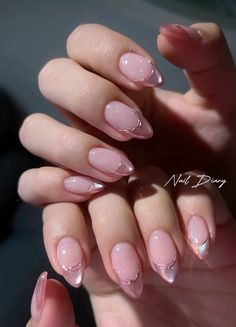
{"x":82,"y":185}
{"x":127,"y":120}
{"x":139,"y":69}
{"x":71,"y":260}
{"x":127,"y":268}
{"x":181,"y":32}
{"x":110,"y":162}
{"x":163,"y":255}
{"x":198,"y":236}
{"x":38,"y":298}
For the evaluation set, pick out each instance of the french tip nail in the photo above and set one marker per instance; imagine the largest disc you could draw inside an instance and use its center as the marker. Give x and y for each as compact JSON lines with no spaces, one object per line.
{"x":96,"y":187}
{"x":125,"y":169}
{"x":74,"y":276}
{"x":201,"y":250}
{"x":155,"y":79}
{"x":38,"y":298}
{"x":168,"y":273}
{"x":133,"y":288}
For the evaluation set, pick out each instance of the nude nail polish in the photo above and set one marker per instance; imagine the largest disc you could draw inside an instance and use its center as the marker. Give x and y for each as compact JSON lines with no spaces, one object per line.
{"x":127,"y":120}
{"x":139,"y":69}
{"x":127,"y":268}
{"x":198,"y":236}
{"x":38,"y":298}
{"x":163,"y":255}
{"x":182,"y":32}
{"x":71,"y":260}
{"x":82,"y":185}
{"x":110,"y":162}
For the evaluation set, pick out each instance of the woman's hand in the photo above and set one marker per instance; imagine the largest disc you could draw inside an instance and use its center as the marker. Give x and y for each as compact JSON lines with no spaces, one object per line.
{"x":195,"y":130}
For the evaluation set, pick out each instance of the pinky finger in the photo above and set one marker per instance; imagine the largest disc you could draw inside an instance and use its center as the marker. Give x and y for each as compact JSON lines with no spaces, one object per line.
{"x":51,"y":305}
{"x":43,"y":185}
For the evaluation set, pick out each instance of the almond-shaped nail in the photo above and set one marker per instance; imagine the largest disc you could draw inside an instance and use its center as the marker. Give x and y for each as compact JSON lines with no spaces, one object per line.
{"x":110,"y":162}
{"x":182,"y":32}
{"x":198,"y":236}
{"x":82,"y":185}
{"x":38,"y":298}
{"x":163,"y":255}
{"x":127,"y":268}
{"x":139,"y":69}
{"x":71,"y":260}
{"x":127,"y":120}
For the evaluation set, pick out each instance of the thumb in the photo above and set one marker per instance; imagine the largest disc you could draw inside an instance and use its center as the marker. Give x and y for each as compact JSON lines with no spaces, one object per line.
{"x":202,"y":51}
{"x":51,"y":305}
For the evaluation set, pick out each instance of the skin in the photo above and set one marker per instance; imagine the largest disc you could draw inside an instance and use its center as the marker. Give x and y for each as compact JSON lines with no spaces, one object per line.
{"x":204,"y":120}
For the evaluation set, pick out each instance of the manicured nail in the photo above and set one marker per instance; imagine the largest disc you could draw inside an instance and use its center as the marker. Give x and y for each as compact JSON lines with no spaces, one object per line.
{"x":198,"y":236}
{"x":182,"y":32}
{"x":163,"y":255}
{"x":82,"y":185}
{"x":110,"y":162}
{"x":127,"y":268}
{"x":38,"y":298}
{"x":127,"y":120}
{"x":139,"y":69}
{"x":71,"y":260}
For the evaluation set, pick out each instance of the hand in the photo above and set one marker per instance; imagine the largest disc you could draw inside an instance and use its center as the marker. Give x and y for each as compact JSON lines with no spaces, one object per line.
{"x":194,"y":105}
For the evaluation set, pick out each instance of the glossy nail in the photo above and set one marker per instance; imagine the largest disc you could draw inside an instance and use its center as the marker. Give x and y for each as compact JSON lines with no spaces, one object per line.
{"x":163,"y":255}
{"x":38,"y":298}
{"x":198,"y":236}
{"x":127,"y":268}
{"x":110,"y":162}
{"x":139,"y":69}
{"x":82,"y":185}
{"x":127,"y":120}
{"x":181,"y":32}
{"x":71,"y":260}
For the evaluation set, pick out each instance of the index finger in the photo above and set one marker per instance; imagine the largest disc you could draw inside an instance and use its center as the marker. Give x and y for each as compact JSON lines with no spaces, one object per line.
{"x":113,"y":56}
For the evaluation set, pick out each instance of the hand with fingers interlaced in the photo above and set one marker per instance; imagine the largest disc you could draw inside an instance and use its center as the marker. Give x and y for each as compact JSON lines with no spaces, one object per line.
{"x":153,"y":245}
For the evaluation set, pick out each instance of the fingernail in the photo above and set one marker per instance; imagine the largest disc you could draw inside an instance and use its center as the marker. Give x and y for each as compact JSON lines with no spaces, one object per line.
{"x":139,"y":69}
{"x":110,"y":162}
{"x":71,"y":260}
{"x":163,"y":255}
{"x":182,"y":32}
{"x":127,"y":268}
{"x":127,"y":120}
{"x":82,"y":185}
{"x":38,"y":298}
{"x":198,"y":236}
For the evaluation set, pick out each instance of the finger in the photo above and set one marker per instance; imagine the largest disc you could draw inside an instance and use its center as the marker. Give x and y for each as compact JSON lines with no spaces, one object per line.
{"x":158,"y":221}
{"x":51,"y":305}
{"x":66,"y":240}
{"x":113,"y":56}
{"x":202,"y":51}
{"x":73,"y":149}
{"x":118,"y":239}
{"x":93,"y":99}
{"x":39,"y":186}
{"x":201,"y":208}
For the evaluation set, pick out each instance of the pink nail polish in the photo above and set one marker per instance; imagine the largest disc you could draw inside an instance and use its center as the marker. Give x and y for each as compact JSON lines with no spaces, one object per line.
{"x":182,"y":32}
{"x":139,"y":69}
{"x":110,"y":162}
{"x":82,"y":185}
{"x":71,"y":260}
{"x":198,"y":236}
{"x":128,"y":270}
{"x":127,"y":120}
{"x":38,"y":298}
{"x":163,"y":255}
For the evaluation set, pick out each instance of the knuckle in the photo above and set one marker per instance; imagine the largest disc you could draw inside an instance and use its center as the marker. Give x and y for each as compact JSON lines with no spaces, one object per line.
{"x":27,"y":126}
{"x":68,"y":146}
{"x":49,"y":69}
